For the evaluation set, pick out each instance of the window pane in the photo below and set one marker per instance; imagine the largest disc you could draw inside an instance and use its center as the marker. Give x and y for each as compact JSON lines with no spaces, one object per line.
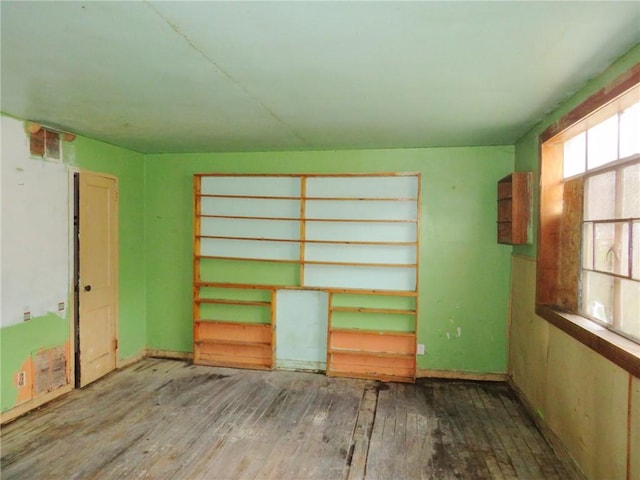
{"x":587,"y":246}
{"x":611,"y":248}
{"x":630,"y":307}
{"x":635,"y":263}
{"x":574,"y":157}
{"x":602,"y":143}
{"x":597,"y":296}
{"x":630,"y":131}
{"x":631,"y":191}
{"x":600,"y":202}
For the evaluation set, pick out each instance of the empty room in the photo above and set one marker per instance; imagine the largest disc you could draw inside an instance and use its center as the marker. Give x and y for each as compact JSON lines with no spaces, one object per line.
{"x":320,"y":240}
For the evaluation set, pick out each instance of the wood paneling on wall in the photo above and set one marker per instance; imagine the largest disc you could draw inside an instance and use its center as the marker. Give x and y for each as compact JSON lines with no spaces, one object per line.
{"x":591,"y":405}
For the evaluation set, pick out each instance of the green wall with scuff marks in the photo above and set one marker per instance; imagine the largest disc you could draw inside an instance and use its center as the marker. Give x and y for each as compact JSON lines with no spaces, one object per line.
{"x":464,"y":273}
{"x":19,"y":342}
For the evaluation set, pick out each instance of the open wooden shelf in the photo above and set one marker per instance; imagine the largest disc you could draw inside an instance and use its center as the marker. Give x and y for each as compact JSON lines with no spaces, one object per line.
{"x":514,"y":209}
{"x":393,"y":311}
{"x":371,"y":354}
{"x":224,"y":343}
{"x":224,"y":301}
{"x":364,"y":365}
{"x":383,"y":354}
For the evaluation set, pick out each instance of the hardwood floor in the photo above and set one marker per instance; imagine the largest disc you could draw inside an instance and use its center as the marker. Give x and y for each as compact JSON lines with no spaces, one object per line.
{"x":163,"y":419}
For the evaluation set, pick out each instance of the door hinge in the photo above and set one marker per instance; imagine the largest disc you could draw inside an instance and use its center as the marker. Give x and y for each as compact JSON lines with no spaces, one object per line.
{"x":115,"y":344}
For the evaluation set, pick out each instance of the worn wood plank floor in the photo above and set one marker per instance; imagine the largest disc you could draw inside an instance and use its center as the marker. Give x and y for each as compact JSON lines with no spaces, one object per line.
{"x":163,"y":419}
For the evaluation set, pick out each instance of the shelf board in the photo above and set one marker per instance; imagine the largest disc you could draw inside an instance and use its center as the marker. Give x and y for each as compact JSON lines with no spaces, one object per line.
{"x":251,"y":365}
{"x":293,"y":240}
{"x":370,"y":376}
{"x":246,"y":259}
{"x":224,"y":301}
{"x":362,"y":199}
{"x":372,"y":332}
{"x":244,"y":217}
{"x":239,"y":343}
{"x":394,"y":311}
{"x":254,"y":197}
{"x":230,"y":323}
{"x":369,"y":353}
{"x":308,"y":262}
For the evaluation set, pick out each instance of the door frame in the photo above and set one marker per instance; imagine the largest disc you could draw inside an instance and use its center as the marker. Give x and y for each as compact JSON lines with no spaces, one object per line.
{"x":75,"y":369}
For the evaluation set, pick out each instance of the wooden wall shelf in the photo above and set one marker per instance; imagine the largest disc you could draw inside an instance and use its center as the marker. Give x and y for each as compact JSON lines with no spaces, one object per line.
{"x":514,"y":209}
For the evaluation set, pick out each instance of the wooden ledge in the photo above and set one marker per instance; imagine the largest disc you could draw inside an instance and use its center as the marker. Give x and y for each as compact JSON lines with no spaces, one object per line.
{"x":616,"y":348}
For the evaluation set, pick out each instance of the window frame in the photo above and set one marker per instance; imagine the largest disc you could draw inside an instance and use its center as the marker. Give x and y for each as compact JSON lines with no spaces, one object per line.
{"x":615,"y":166}
{"x":559,"y":258}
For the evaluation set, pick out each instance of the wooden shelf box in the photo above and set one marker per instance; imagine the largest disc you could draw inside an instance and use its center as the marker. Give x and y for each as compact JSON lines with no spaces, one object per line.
{"x":514,"y":209}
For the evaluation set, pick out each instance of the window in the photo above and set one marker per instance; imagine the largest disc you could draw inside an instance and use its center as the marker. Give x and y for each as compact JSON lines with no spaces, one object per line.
{"x":588,"y":263}
{"x":611,"y":248}
{"x":607,"y":155}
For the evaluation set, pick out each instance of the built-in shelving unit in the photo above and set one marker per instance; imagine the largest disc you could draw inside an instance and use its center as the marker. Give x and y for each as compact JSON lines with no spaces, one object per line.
{"x":354,"y":237}
{"x":386,"y":348}
{"x":514,"y":208}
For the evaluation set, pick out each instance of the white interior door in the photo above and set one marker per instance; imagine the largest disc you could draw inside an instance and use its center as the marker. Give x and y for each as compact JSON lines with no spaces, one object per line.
{"x":98,"y":275}
{"x":301,"y":329}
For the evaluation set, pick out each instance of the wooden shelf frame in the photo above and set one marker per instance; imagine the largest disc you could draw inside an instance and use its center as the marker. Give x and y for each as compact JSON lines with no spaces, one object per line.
{"x":224,"y":301}
{"x":356,"y":352}
{"x":311,"y":198}
{"x":311,"y":262}
{"x":270,"y":286}
{"x":308,"y":219}
{"x":327,"y":242}
{"x":387,"y":355}
{"x":392,"y":311}
{"x":514,"y":208}
{"x":231,"y":343}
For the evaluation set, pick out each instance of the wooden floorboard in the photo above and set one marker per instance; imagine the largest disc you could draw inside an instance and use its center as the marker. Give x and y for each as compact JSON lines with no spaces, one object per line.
{"x":164,"y":419}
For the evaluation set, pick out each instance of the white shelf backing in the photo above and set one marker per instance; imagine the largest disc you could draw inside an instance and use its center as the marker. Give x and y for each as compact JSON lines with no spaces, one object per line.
{"x":250,"y":185}
{"x":361,"y":209}
{"x":250,"y":249}
{"x":250,"y":207}
{"x":363,"y":186}
{"x":250,"y":228}
{"x":361,"y":232}
{"x":366,"y":278}
{"x":398,"y":254}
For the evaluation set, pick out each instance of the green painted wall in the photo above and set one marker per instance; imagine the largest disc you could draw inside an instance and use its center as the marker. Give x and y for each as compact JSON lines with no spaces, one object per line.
{"x":527,"y":153}
{"x":128,"y":166}
{"x":464,"y":273}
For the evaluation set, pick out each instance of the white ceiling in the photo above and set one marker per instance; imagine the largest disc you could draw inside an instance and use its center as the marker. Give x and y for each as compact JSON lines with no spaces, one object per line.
{"x":240,"y":76}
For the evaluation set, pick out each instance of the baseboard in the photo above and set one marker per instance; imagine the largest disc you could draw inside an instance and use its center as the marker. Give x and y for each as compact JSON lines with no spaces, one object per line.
{"x":124,"y":363}
{"x":169,"y":354}
{"x":26,"y":407}
{"x":556,"y":443}
{"x":454,"y":375}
